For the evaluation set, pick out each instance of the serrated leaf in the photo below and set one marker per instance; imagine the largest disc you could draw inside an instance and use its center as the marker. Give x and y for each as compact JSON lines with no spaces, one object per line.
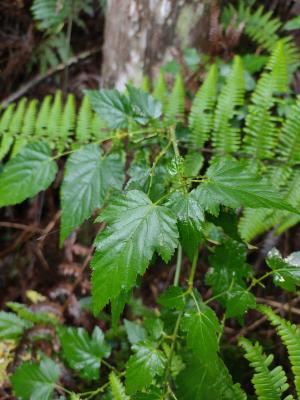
{"x":111,"y":106}
{"x":173,"y":297}
{"x":202,"y":327}
{"x":228,"y":269}
{"x":231,"y":184}
{"x":137,"y":228}
{"x":11,"y":326}
{"x":287,"y":270}
{"x":190,"y":217}
{"x":88,"y":179}
{"x":117,"y":306}
{"x":211,"y":380}
{"x":144,"y":106}
{"x":238,"y":302}
{"x":154,"y":327}
{"x":143,"y":366}
{"x":117,"y":388}
{"x":135,"y":332}
{"x":82,"y":352}
{"x":33,"y":381}
{"x":29,"y":172}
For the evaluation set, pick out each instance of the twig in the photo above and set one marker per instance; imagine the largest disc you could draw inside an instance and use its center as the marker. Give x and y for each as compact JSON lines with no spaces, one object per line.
{"x":14,"y":225}
{"x":39,"y":78}
{"x":280,"y":306}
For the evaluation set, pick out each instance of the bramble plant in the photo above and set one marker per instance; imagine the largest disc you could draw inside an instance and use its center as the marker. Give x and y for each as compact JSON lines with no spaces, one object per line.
{"x":159,"y":192}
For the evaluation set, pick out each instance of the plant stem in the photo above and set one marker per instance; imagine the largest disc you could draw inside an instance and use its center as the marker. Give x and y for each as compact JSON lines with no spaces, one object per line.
{"x":174,"y":141}
{"x":193,"y":270}
{"x":178,"y":265}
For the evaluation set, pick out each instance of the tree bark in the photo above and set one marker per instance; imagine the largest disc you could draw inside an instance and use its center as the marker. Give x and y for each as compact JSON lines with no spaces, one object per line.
{"x":142,"y":34}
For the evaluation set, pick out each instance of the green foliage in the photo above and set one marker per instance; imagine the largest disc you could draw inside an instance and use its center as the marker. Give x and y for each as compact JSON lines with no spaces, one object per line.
{"x":31,"y":171}
{"x":88,"y":179}
{"x":290,"y":336}
{"x":83,"y":353}
{"x":11,"y":326}
{"x":201,"y":117}
{"x":36,"y":381}
{"x":136,"y":228}
{"x":231,"y":97}
{"x":154,"y":188}
{"x":143,"y":366}
{"x":269,"y":383}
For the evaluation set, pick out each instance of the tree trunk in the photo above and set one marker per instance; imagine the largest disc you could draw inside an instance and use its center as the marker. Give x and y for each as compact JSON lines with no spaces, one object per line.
{"x":142,"y":34}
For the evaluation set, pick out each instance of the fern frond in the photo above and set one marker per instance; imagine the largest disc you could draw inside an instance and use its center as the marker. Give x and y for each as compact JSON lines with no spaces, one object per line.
{"x":289,"y":141}
{"x":85,"y":115}
{"x":55,"y":116}
{"x":68,"y":118}
{"x":257,"y":221}
{"x":225,"y":137}
{"x":15,"y":127}
{"x":27,"y":128}
{"x":50,"y":13}
{"x":160,"y":91}
{"x":261,"y":131}
{"x":117,"y":388}
{"x":201,"y":117}
{"x":176,"y":103}
{"x":5,"y":119}
{"x":290,"y":335}
{"x":43,"y":117}
{"x":269,"y":383}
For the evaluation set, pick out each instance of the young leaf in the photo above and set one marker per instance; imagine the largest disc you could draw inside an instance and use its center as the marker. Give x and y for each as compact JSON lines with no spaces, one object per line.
{"x":11,"y":326}
{"x":31,"y":171}
{"x":190,"y":216}
{"x":145,"y":107}
{"x":238,"y":302}
{"x":202,"y":327}
{"x":82,"y":352}
{"x":135,"y":332}
{"x":88,"y":178}
{"x":286,"y":270}
{"x":229,"y":183}
{"x":33,"y":381}
{"x":111,"y":106}
{"x":173,"y":297}
{"x":137,"y":228}
{"x":117,"y":388}
{"x":143,"y":366}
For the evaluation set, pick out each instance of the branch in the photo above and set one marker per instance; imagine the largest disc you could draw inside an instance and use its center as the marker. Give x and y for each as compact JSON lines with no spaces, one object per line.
{"x":39,"y":78}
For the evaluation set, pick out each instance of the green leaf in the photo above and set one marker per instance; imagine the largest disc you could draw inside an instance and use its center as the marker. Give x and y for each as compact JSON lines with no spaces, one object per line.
{"x":143,"y":366}
{"x":33,"y":381}
{"x":292,"y":24}
{"x":145,"y":107}
{"x":154,"y":327}
{"x":190,"y":217}
{"x":238,"y":302}
{"x":287,"y":270}
{"x":228,"y":270}
{"x":84,"y":353}
{"x":29,"y":172}
{"x":173,"y":297}
{"x":37,"y":317}
{"x":11,"y":326}
{"x":117,"y":306}
{"x":137,"y":228}
{"x":231,"y":184}
{"x":202,"y":327}
{"x":209,"y":380}
{"x":135,"y":332}
{"x":117,"y":388}
{"x":111,"y":106}
{"x":87,"y":181}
